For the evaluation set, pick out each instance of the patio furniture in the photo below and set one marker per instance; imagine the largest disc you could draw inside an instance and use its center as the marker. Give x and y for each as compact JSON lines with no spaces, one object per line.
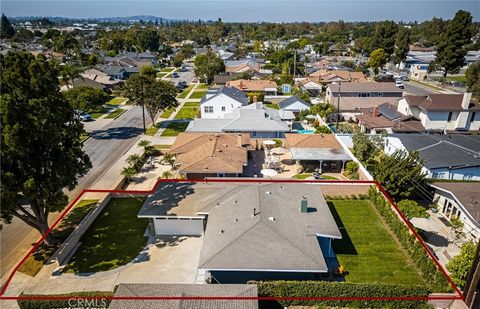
{"x":269,"y":172}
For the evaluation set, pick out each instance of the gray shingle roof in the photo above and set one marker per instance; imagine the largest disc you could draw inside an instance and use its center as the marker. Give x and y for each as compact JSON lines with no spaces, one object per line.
{"x":292,"y":100}
{"x":231,"y":92}
{"x":440,"y":151}
{"x":467,"y":193}
{"x":236,"y":239}
{"x":185,"y":290}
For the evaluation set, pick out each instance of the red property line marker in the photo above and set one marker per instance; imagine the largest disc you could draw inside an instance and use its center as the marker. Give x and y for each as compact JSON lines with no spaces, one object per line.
{"x":376,"y":183}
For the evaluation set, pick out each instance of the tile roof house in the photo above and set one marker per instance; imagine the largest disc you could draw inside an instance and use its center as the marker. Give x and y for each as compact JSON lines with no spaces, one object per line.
{"x":443,"y":112}
{"x":242,"y":221}
{"x":257,"y":120}
{"x":462,"y":200}
{"x":356,"y":95}
{"x":200,"y":155}
{"x":243,"y":65}
{"x":184,"y":290}
{"x":267,"y":86}
{"x":317,"y":151}
{"x":451,"y":156}
{"x":325,"y":77}
{"x":220,"y":101}
{"x":385,"y":117}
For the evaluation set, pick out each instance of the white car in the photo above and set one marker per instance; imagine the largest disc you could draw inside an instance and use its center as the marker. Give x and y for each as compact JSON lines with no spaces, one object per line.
{"x":399,"y":84}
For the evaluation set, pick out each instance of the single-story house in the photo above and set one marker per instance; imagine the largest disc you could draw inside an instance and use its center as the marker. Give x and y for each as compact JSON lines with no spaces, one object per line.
{"x":200,"y":155}
{"x":184,"y":290}
{"x":241,"y":221}
{"x":294,"y":104}
{"x":462,"y":200}
{"x":317,"y":151}
{"x":312,"y":87}
{"x":385,"y":117}
{"x":325,"y":77}
{"x":268,"y":87}
{"x":257,"y":120}
{"x":451,"y":156}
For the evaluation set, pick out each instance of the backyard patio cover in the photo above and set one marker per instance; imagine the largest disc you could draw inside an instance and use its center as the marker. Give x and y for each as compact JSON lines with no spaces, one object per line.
{"x":319,"y":154}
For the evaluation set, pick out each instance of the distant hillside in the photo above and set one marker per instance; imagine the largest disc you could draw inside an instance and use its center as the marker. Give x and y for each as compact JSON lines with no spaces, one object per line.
{"x":126,"y":19}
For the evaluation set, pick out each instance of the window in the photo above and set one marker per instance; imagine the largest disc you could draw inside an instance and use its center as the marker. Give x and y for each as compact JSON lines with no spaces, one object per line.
{"x":449,"y":116}
{"x":364,"y":95}
{"x":208,"y":109}
{"x":223,"y":108}
{"x":472,"y":118}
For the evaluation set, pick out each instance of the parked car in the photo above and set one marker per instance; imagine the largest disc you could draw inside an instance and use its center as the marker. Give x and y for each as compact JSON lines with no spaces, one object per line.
{"x":82,"y":116}
{"x":399,"y":84}
{"x":183,"y":69}
{"x":175,"y":75}
{"x":181,"y":85}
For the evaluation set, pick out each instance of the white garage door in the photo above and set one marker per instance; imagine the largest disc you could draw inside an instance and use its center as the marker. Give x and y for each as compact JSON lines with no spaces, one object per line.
{"x":178,"y":226}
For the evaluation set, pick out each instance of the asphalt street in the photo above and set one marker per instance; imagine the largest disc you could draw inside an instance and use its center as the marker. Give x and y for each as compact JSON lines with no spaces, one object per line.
{"x":104,"y":148}
{"x":417,"y":89}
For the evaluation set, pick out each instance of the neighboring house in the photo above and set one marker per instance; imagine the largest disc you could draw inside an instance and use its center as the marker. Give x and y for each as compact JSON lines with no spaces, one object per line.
{"x":320,"y":152}
{"x":243,"y":65}
{"x":132,"y":290}
{"x":443,"y":112}
{"x":462,"y":200}
{"x":294,"y":104}
{"x":356,"y":95}
{"x":200,"y":155}
{"x":451,"y":156}
{"x":313,"y":88}
{"x":385,"y":117}
{"x":268,"y":87}
{"x":241,"y":221}
{"x":257,"y":120}
{"x":218,"y":102}
{"x":325,"y":77}
{"x":113,"y":71}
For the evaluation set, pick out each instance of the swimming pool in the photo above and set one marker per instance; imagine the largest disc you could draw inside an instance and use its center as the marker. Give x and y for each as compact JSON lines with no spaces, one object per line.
{"x":305,"y":131}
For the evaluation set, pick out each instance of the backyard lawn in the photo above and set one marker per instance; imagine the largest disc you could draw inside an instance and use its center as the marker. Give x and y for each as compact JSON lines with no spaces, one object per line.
{"x":367,"y":250}
{"x":174,"y":128}
{"x":197,"y":94}
{"x":116,"y":113}
{"x":114,"y":239}
{"x":302,"y":176}
{"x":188,"y":110}
{"x":272,"y":105}
{"x":184,"y":93}
{"x":36,"y":261}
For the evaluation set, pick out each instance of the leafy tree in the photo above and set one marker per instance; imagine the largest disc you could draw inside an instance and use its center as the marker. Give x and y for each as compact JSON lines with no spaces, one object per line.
{"x":402,"y":45}
{"x":400,"y":173}
{"x":378,"y":58}
{"x":451,"y":48}
{"x":322,"y":109}
{"x":323,"y":130}
{"x":411,"y":209}
{"x":41,"y":146}
{"x":86,"y":98}
{"x":187,"y":50}
{"x":384,"y":37}
{"x":68,"y":74}
{"x":365,"y":147}
{"x":154,"y":95}
{"x":460,"y":265}
{"x":148,"y":70}
{"x":7,"y":30}
{"x":473,"y":79}
{"x":23,"y":35}
{"x":207,"y":65}
{"x":351,"y":170}
{"x":178,"y":59}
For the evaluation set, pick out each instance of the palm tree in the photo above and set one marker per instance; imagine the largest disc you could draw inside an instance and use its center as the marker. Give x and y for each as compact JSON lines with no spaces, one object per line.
{"x":169,"y":159}
{"x":135,"y":161}
{"x":147,"y":148}
{"x":68,"y":73}
{"x":129,"y":172}
{"x":167,"y":175}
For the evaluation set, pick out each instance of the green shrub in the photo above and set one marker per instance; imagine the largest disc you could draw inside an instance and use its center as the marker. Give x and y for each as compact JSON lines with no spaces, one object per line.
{"x":341,"y":289}
{"x":429,"y":270}
{"x":412,"y":209}
{"x":64,"y":303}
{"x":278,"y":142}
{"x":351,"y":170}
{"x":323,"y":130}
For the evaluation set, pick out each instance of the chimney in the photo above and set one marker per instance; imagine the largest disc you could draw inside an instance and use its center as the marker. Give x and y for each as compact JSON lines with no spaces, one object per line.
{"x":467,"y":97}
{"x":304,"y":205}
{"x":239,"y":139}
{"x":254,"y":99}
{"x":375,"y":111}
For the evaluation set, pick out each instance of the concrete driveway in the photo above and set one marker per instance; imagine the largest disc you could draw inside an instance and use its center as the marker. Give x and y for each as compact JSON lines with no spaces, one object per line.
{"x":165,"y":259}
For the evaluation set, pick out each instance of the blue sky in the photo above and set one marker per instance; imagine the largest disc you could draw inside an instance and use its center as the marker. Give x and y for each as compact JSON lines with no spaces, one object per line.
{"x":247,"y":10}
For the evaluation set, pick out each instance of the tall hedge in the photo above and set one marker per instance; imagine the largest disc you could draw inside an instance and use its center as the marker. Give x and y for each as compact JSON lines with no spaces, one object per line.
{"x":342,"y":289}
{"x":66,"y":303}
{"x":429,"y":270}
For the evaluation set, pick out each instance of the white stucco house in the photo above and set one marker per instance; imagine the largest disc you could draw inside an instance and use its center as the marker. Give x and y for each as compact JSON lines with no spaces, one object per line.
{"x":294,"y":104}
{"x":443,"y":112}
{"x":218,"y":102}
{"x":462,"y":200}
{"x":451,"y":156}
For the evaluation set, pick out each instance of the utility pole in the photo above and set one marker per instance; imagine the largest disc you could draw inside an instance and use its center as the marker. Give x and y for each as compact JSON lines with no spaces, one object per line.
{"x":473,"y":280}
{"x":338,"y":105}
{"x":294,"y":63}
{"x":142,"y":103}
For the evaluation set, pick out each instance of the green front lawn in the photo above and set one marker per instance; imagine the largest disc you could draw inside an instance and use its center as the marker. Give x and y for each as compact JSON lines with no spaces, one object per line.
{"x":98,"y":113}
{"x":197,"y":94}
{"x":115,"y":113}
{"x":174,"y":128}
{"x":152,"y":130}
{"x":185,"y":92}
{"x":461,"y":79}
{"x":116,"y":101}
{"x":367,"y":250}
{"x":35,"y":262}
{"x":161,"y":75}
{"x":166,"y":113}
{"x":167,"y":70}
{"x":114,"y":239}
{"x":202,"y":87}
{"x":188,"y":110}
{"x":302,"y":176}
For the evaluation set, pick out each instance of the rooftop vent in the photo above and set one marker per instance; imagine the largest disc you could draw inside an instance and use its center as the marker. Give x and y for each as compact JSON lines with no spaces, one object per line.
{"x":304,"y":205}
{"x":222,"y":231}
{"x":268,"y":192}
{"x":235,"y":220}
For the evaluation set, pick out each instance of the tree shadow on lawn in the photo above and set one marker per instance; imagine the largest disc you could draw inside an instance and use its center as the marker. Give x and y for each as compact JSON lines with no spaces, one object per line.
{"x":344,"y":245}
